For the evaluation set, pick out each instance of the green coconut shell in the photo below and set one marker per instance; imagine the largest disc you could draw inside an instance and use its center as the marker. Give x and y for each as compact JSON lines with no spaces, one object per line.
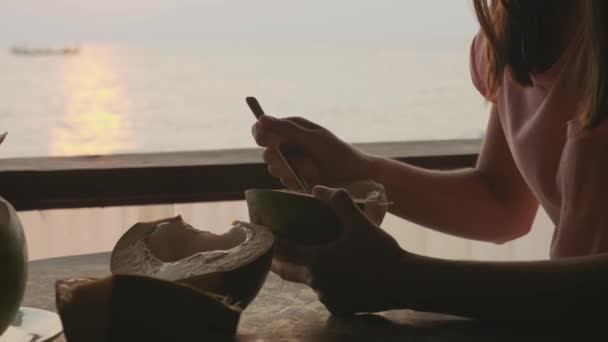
{"x":237,"y":274}
{"x":305,"y":219}
{"x":13,"y":264}
{"x":293,"y":216}
{"x":136,"y":308}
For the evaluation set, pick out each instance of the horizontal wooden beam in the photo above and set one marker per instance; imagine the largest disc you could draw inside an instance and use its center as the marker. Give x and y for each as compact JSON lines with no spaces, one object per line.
{"x":181,"y":177}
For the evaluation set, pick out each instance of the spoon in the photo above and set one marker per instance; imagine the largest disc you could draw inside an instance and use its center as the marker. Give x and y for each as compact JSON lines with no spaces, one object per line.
{"x":257,"y":110}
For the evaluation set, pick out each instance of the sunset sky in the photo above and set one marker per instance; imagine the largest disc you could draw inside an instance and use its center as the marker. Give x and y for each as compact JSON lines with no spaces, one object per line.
{"x":25,"y":21}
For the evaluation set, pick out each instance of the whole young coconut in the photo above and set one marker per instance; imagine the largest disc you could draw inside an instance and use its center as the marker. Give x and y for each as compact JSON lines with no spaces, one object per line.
{"x":303,"y":218}
{"x":233,"y":265}
{"x":13,"y":262}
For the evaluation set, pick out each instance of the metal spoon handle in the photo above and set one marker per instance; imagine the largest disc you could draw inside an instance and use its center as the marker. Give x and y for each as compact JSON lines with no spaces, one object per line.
{"x":257,"y":110}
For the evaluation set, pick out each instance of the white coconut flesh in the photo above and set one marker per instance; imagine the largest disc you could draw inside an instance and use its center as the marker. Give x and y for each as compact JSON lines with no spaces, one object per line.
{"x":173,"y":250}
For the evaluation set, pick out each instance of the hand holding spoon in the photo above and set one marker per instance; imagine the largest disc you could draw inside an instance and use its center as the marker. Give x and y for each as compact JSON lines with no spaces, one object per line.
{"x":257,"y":110}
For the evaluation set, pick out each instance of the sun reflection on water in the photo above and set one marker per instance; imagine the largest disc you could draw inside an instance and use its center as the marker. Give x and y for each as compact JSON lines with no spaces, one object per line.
{"x":96,"y":106}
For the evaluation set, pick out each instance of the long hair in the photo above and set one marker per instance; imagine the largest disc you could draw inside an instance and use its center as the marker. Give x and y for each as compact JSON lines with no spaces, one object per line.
{"x":519,"y":42}
{"x":596,"y":105}
{"x":516,"y":33}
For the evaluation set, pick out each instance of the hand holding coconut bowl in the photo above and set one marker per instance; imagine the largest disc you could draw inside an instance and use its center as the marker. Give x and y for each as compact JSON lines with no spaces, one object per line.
{"x":542,"y":66}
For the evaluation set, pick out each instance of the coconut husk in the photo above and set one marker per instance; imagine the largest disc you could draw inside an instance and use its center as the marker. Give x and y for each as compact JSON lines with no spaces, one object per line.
{"x":137,"y":308}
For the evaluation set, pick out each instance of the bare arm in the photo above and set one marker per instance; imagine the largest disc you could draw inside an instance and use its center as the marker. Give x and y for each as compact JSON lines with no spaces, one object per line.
{"x":530,"y":291}
{"x":490,"y":202}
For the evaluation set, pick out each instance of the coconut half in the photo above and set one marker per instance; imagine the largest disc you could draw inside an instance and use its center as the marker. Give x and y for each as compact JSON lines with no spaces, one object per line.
{"x":303,"y":218}
{"x":137,"y":308}
{"x":233,"y":265}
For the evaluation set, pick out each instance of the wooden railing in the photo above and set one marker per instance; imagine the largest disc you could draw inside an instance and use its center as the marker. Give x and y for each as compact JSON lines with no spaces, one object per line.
{"x":181,"y":177}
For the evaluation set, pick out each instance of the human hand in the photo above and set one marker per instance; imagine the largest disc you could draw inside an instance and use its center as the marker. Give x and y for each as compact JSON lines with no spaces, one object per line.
{"x":320,"y":156}
{"x":353,"y":274}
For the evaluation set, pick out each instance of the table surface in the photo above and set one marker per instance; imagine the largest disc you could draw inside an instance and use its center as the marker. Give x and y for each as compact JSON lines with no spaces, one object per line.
{"x":285,"y":311}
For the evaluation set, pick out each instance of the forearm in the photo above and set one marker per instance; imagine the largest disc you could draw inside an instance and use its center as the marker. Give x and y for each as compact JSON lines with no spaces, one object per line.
{"x":458,"y":202}
{"x":525,"y":291}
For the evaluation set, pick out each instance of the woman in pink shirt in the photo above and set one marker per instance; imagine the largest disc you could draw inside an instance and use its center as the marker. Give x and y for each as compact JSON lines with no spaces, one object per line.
{"x":543,"y":66}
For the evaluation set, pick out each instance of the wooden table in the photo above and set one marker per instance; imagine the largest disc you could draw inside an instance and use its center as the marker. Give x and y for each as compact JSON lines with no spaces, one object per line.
{"x":290,"y":312}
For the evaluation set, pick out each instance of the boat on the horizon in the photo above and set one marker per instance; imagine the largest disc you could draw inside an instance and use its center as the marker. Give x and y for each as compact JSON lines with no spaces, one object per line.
{"x":25,"y":51}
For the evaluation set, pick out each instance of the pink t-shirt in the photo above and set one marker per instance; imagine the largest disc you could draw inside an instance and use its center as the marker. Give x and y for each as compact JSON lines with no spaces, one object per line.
{"x":565,"y":169}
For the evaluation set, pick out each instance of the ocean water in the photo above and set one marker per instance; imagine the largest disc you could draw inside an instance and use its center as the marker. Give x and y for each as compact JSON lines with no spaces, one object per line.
{"x":122,"y":98}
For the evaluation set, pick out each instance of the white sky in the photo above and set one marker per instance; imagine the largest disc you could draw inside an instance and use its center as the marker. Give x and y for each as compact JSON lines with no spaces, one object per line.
{"x":238,"y":20}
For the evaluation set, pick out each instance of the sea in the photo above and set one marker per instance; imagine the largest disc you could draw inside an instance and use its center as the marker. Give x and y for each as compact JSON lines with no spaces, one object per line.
{"x":125,"y":98}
